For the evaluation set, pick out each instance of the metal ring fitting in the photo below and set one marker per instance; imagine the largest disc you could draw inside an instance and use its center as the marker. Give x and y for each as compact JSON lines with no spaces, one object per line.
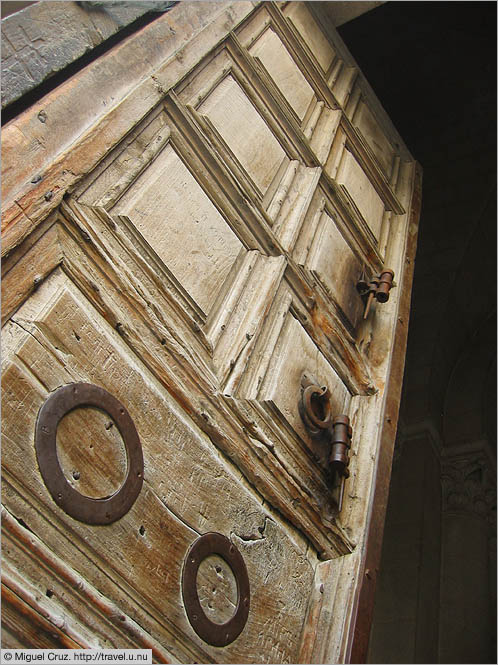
{"x":321,"y":394}
{"x":219,"y":635}
{"x":84,"y":508}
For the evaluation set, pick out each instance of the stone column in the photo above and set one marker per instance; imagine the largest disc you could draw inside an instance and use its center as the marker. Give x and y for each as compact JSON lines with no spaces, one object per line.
{"x":469,"y":512}
{"x":406,"y":615}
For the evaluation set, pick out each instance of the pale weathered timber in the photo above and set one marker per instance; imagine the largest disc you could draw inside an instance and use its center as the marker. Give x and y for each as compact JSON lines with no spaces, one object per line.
{"x":314,"y":38}
{"x":105,"y":623}
{"x":167,"y":217}
{"x":329,"y":249}
{"x":206,"y":255}
{"x":91,"y":357}
{"x":155,"y":352}
{"x":353,"y":179}
{"x":274,"y":57}
{"x":110,"y":99}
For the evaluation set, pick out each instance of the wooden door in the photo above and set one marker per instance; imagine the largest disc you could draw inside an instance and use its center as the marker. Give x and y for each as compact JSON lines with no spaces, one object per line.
{"x":203,"y":258}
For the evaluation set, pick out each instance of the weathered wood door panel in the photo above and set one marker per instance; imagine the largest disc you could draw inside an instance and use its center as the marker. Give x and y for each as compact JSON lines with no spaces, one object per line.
{"x":205,"y":264}
{"x":56,"y":338}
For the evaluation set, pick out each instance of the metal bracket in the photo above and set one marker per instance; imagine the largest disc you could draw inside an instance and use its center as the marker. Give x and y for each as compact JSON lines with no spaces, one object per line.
{"x":84,"y":508}
{"x":377,"y":287}
{"x":332,"y":434}
{"x":219,"y":635}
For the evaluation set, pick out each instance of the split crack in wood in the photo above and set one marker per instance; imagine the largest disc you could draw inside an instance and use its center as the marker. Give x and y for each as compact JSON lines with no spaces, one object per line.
{"x":175,"y":515}
{"x":253,"y":538}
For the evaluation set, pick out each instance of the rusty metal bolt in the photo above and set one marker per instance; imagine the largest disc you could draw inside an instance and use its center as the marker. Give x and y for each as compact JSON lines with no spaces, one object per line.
{"x":385,"y":283}
{"x":341,"y":442}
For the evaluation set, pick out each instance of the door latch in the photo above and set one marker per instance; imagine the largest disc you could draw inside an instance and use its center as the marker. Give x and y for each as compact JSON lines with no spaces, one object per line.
{"x":331,"y":434}
{"x":377,"y":287}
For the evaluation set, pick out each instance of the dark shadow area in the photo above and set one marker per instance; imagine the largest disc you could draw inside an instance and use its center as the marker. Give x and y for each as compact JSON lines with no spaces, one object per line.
{"x":433,"y":67}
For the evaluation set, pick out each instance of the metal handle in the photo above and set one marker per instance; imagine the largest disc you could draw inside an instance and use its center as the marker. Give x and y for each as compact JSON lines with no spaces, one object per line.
{"x":316,"y":407}
{"x":335,"y":433}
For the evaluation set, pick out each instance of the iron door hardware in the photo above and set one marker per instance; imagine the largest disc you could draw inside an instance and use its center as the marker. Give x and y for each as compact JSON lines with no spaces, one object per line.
{"x":75,"y":504}
{"x":377,"y":287}
{"x":219,"y":635}
{"x":333,"y":434}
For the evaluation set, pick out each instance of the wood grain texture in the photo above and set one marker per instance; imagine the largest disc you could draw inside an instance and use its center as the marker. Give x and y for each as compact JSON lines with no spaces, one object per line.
{"x":314,"y":38}
{"x":183,"y":227}
{"x":91,"y":452}
{"x":352,"y":177}
{"x":244,"y":131}
{"x":366,"y":123}
{"x":337,"y":267}
{"x":217,"y":589}
{"x":104,"y":623}
{"x":214,"y":222}
{"x":181,"y":510}
{"x":273,"y":55}
{"x":249,"y":460}
{"x":31,"y":149}
{"x":26,"y":626}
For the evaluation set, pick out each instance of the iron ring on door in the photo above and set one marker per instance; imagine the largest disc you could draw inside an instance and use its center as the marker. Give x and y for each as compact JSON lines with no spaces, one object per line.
{"x":219,"y":635}
{"x":84,"y":508}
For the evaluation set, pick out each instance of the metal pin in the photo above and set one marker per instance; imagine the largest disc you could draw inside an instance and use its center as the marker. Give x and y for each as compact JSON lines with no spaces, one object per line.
{"x":369,"y":302}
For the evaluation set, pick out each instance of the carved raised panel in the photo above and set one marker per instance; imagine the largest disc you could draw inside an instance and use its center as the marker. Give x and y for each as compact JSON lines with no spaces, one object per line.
{"x":119,"y":170}
{"x":282,"y":380}
{"x":339,"y":76}
{"x":244,"y":131}
{"x":241,"y":114}
{"x":277,"y":61}
{"x":181,"y":224}
{"x":284,"y":64}
{"x":378,"y":138}
{"x":369,"y":128}
{"x":205,"y":234}
{"x":360,"y":195}
{"x":290,"y":202}
{"x":336,"y":266}
{"x":318,"y":45}
{"x":242,"y":314}
{"x":352,"y":177}
{"x":264,"y":388}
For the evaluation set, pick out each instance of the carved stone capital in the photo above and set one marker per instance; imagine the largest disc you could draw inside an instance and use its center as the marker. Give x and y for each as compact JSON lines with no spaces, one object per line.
{"x":469,"y":486}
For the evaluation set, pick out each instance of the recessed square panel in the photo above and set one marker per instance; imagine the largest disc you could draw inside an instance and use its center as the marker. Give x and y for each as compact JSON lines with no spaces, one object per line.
{"x":306,"y":25}
{"x":244,"y":131}
{"x":369,"y":128}
{"x":178,"y":220}
{"x":337,"y":267}
{"x":294,"y":354}
{"x":284,"y":71}
{"x":355,"y":181}
{"x":189,"y":487}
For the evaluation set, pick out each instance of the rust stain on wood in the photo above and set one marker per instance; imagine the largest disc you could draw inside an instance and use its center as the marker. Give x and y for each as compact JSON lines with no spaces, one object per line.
{"x":364,"y":600}
{"x":97,"y":600}
{"x":326,"y":332}
{"x":48,"y":634}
